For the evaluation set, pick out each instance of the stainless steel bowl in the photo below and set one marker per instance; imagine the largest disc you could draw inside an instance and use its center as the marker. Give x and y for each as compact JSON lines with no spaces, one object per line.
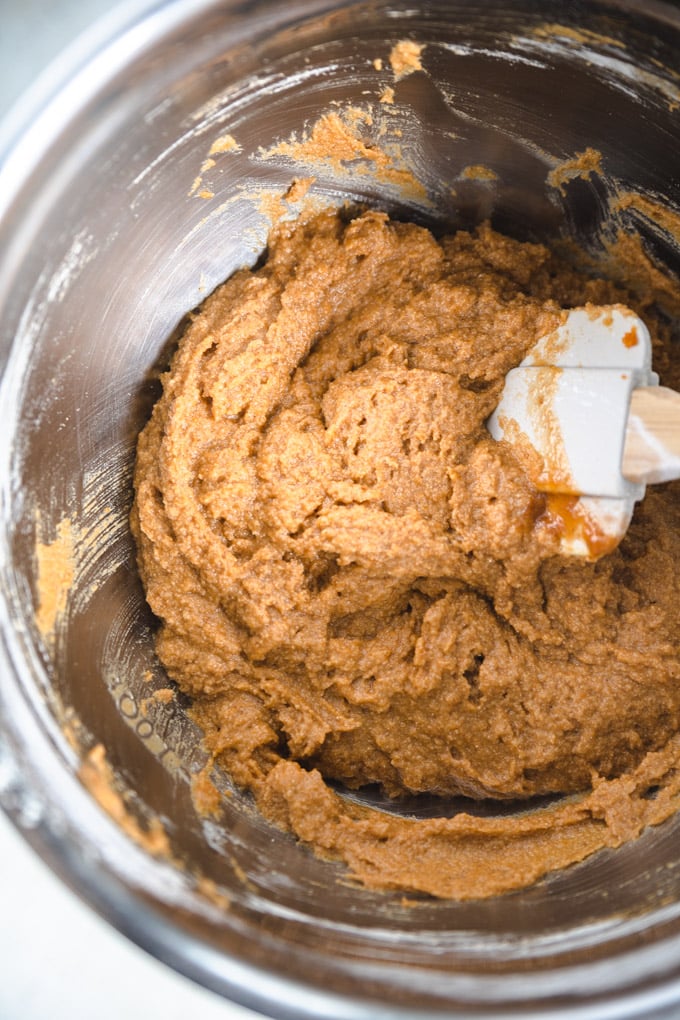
{"x":103,"y":250}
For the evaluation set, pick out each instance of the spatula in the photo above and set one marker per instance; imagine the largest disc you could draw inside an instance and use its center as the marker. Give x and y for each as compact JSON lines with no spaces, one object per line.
{"x":586,"y":415}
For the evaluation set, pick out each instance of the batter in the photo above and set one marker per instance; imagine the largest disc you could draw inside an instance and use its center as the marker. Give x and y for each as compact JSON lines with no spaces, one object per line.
{"x":359,"y":587}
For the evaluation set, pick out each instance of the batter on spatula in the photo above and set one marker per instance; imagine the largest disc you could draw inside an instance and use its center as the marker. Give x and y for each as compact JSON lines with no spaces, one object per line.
{"x":356,"y":583}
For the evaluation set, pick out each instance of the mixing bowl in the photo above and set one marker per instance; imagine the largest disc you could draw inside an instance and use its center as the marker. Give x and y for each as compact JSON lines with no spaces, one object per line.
{"x":126,"y":195}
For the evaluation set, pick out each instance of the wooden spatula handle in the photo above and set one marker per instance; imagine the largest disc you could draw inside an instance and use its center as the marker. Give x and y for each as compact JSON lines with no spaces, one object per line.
{"x":652,"y":448}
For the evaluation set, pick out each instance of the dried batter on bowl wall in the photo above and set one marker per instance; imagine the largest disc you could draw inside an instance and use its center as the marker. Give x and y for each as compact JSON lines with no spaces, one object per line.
{"x":358,"y":587}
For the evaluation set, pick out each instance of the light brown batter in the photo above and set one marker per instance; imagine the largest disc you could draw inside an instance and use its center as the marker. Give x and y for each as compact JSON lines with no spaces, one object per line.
{"x":358,"y":585}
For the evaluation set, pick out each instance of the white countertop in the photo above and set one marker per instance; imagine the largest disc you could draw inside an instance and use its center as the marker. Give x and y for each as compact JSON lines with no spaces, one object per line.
{"x":60,"y":961}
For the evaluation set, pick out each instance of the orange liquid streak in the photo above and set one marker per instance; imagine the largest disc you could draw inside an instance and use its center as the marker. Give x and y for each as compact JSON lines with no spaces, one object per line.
{"x":563,"y":515}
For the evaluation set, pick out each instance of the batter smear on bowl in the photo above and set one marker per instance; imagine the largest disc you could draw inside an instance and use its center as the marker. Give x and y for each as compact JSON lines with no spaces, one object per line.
{"x":358,"y":587}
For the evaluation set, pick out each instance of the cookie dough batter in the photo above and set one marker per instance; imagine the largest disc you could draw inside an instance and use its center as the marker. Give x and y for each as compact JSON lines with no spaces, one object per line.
{"x":359,"y":587}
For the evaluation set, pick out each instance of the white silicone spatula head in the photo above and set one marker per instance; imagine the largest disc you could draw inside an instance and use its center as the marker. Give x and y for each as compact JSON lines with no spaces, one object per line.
{"x":565,"y":409}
